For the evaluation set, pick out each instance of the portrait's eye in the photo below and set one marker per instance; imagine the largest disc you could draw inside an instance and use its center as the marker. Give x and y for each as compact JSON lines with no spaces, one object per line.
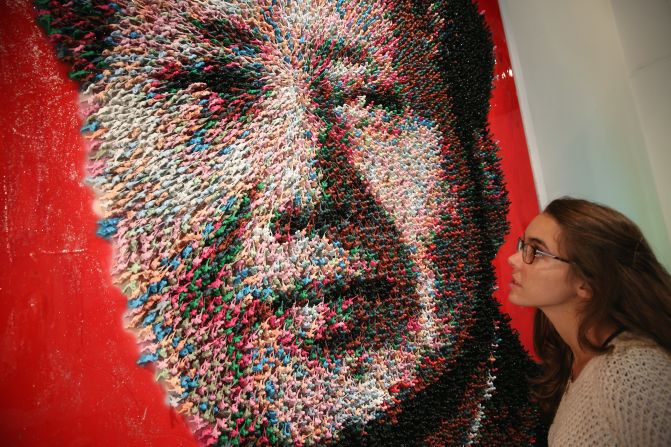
{"x":285,"y":224}
{"x":226,"y":64}
{"x":223,"y":76}
{"x":387,"y":99}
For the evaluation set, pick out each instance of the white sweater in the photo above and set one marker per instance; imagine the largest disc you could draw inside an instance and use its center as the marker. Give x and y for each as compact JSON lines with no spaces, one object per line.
{"x":622,"y":398}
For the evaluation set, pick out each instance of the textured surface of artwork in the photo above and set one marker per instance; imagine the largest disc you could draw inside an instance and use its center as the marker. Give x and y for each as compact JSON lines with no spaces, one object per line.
{"x":304,"y":202}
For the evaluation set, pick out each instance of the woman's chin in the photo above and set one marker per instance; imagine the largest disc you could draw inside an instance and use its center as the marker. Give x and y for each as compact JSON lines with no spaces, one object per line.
{"x":514,"y":298}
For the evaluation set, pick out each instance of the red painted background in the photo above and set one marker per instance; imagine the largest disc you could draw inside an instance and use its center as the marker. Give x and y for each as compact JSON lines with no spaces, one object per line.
{"x":507,"y":129}
{"x":68,"y":373}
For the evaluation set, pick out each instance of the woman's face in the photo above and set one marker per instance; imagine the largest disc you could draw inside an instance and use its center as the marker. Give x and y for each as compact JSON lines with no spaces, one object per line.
{"x":546,"y":282}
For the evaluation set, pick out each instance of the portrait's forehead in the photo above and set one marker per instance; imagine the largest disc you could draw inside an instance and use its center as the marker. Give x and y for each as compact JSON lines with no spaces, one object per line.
{"x":330,"y":15}
{"x":374,"y":28}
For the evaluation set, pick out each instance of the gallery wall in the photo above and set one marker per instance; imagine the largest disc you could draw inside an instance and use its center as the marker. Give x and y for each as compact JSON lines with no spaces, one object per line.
{"x":592,"y":78}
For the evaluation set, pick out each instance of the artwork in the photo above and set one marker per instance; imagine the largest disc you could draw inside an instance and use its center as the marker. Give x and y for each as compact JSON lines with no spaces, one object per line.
{"x":303,"y":201}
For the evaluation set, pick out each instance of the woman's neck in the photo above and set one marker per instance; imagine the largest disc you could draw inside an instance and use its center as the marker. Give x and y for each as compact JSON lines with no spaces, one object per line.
{"x":567,"y":324}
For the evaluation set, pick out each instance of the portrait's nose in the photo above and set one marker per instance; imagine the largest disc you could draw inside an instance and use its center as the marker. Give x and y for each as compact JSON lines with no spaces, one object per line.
{"x":378,"y":275}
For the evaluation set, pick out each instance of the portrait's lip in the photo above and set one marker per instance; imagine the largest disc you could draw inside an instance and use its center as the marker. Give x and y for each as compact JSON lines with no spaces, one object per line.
{"x":514,"y":282}
{"x":377,"y":305}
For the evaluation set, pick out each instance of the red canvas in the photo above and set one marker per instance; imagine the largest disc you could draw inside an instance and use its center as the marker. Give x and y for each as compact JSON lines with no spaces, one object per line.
{"x":69,"y":374}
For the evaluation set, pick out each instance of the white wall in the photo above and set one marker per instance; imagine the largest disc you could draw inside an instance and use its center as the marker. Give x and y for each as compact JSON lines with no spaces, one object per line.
{"x":590,"y":113}
{"x":644,"y":28}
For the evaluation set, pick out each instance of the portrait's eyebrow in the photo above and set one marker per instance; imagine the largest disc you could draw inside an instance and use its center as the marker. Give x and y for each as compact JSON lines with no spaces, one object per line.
{"x":350,"y":51}
{"x":229,"y":34}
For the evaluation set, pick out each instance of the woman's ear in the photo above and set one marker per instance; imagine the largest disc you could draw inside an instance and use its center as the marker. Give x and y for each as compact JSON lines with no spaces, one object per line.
{"x":583,"y":290}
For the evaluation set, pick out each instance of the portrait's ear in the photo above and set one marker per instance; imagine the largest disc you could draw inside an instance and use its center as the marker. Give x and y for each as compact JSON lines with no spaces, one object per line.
{"x":80,"y":31}
{"x":469,"y":65}
{"x":469,"y":70}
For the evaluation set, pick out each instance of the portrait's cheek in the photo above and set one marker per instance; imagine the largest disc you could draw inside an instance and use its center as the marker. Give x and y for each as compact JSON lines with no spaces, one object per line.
{"x":398,"y":154}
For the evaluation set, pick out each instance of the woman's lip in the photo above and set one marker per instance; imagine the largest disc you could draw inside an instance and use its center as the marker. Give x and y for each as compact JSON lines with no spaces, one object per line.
{"x":514,"y":283}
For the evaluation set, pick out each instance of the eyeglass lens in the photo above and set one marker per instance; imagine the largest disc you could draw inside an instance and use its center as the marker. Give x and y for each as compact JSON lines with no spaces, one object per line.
{"x":528,"y":252}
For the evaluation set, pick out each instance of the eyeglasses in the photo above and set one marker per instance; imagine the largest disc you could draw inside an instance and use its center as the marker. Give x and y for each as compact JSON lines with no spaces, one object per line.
{"x":529,"y":252}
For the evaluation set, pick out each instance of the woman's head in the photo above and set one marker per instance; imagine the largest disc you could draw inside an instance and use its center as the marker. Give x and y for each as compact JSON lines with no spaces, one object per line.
{"x":608,"y":252}
{"x":611,"y":272}
{"x":542,"y":275}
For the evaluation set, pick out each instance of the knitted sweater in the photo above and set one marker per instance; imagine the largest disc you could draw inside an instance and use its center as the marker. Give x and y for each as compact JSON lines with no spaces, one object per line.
{"x":622,"y":398}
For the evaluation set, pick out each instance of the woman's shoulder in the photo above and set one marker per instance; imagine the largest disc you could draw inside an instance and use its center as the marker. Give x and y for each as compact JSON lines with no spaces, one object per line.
{"x":636,"y":369}
{"x":634,"y":389}
{"x":630,"y":346}
{"x":634,"y":358}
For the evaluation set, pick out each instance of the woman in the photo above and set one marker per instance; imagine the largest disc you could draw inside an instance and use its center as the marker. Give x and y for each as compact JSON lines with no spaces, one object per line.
{"x":602,"y":327}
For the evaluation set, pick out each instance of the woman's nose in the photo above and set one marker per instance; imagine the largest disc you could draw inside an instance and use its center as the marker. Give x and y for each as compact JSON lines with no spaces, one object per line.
{"x":515,"y":258}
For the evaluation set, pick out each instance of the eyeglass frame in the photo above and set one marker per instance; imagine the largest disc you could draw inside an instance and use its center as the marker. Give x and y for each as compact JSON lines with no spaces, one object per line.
{"x":521,"y":246}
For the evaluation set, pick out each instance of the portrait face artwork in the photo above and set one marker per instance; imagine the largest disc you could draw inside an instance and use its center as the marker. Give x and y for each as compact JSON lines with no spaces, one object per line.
{"x":303,"y":202}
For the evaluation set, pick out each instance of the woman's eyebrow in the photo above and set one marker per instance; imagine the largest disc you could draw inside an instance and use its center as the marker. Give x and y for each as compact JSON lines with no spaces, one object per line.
{"x":538,"y":242}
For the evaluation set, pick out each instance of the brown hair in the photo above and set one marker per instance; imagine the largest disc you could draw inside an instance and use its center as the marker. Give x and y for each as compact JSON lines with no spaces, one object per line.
{"x":629,"y":286}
